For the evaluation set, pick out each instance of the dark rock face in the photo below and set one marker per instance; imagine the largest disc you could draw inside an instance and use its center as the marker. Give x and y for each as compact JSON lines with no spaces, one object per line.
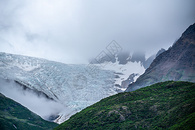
{"x":123,"y":57}
{"x":138,"y":56}
{"x":177,"y":63}
{"x":129,"y":80}
{"x":147,"y":63}
{"x":160,"y":51}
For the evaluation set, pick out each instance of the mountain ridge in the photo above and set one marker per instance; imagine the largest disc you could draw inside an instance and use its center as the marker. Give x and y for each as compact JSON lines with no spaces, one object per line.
{"x":165,"y":105}
{"x":177,"y":63}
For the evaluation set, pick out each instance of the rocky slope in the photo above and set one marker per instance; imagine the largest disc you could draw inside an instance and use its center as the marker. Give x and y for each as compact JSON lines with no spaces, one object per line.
{"x":177,"y":63}
{"x":167,"y":105}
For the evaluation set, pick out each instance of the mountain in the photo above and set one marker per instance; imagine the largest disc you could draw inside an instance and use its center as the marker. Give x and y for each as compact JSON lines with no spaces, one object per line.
{"x":125,"y":57}
{"x":73,"y":86}
{"x":127,"y":67}
{"x":167,"y":105}
{"x":159,"y":52}
{"x":148,"y":62}
{"x":15,"y":116}
{"x":177,"y":63}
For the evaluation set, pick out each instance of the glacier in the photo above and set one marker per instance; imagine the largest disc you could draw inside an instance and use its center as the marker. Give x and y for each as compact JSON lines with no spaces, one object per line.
{"x":74,"y":86}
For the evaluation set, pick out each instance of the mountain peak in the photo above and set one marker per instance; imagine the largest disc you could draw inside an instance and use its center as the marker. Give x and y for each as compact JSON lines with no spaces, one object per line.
{"x":177,"y":63}
{"x":189,"y":31}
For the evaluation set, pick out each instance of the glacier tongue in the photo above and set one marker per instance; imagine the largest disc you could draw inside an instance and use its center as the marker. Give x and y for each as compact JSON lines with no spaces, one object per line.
{"x":74,"y":86}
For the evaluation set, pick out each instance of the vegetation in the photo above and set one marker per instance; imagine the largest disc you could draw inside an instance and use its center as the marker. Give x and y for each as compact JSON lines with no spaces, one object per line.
{"x":15,"y":116}
{"x":167,"y":105}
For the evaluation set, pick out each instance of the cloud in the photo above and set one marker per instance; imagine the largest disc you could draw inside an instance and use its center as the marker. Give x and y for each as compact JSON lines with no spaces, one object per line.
{"x":74,"y":31}
{"x":38,"y":104}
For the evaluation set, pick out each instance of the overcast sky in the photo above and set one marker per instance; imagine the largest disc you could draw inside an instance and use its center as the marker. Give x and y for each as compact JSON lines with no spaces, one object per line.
{"x":72,"y":31}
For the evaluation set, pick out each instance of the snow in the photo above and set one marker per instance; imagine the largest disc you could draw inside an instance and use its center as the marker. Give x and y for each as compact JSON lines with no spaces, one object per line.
{"x":123,"y":70}
{"x":73,"y":86}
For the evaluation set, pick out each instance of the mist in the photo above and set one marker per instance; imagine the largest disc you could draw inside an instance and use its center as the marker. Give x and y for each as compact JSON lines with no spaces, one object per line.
{"x":74,"y":31}
{"x":37,"y":103}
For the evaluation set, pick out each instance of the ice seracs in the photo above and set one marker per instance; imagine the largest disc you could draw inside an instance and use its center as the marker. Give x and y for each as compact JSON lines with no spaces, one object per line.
{"x":71,"y":85}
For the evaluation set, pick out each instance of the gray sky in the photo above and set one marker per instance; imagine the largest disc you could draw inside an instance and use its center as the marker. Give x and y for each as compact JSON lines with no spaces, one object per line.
{"x":72,"y":31}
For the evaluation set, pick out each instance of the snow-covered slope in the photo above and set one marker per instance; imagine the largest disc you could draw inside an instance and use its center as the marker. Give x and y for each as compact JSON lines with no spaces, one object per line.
{"x":128,"y":73}
{"x":74,"y":86}
{"x":127,"y":66}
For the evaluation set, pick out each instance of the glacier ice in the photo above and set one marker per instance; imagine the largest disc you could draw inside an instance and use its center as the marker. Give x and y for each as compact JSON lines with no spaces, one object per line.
{"x":74,"y":86}
{"x":71,"y":85}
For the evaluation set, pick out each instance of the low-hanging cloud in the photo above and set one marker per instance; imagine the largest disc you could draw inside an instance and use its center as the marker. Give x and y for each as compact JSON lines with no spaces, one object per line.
{"x":38,"y":104}
{"x":74,"y":31}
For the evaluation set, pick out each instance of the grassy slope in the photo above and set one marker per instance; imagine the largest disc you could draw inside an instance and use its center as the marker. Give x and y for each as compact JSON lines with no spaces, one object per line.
{"x":12,"y":113}
{"x":167,"y":105}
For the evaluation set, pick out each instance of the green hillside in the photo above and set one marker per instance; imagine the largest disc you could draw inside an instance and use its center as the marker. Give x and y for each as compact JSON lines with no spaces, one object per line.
{"x":167,"y":105}
{"x":14,"y":116}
